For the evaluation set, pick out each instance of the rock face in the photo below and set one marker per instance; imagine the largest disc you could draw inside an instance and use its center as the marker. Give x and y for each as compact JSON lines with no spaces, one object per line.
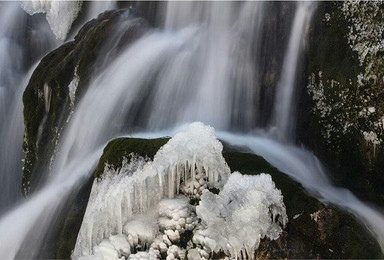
{"x":313,"y":231}
{"x":342,"y":108}
{"x":59,"y":80}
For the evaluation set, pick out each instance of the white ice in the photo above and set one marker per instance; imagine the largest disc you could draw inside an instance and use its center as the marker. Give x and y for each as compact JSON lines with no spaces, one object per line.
{"x":138,"y":187}
{"x":60,"y":14}
{"x":248,"y":209}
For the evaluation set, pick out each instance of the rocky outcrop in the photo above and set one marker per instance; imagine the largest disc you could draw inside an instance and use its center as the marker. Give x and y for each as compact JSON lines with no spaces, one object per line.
{"x":59,"y":81}
{"x":342,"y":108}
{"x":313,"y":230}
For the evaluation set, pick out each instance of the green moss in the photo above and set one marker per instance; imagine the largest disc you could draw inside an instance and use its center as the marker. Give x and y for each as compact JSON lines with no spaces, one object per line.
{"x":120,"y":147}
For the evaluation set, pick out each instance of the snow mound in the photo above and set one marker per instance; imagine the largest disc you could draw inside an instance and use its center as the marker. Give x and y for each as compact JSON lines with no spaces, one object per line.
{"x":59,"y":14}
{"x":248,"y":209}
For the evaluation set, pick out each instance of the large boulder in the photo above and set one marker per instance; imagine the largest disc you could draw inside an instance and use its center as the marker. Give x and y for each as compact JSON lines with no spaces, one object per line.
{"x":314,"y":230}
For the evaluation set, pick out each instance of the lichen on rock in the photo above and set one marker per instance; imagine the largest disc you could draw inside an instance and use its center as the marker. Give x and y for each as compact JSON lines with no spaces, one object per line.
{"x":344,"y":119}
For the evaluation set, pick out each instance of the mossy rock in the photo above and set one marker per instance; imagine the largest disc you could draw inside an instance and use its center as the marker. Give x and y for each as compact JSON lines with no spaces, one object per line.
{"x":123,"y":147}
{"x":334,"y":234}
{"x":98,"y":42}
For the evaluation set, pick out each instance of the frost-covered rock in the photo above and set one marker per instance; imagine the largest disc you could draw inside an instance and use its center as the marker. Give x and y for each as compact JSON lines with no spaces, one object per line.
{"x":248,"y":209}
{"x":60,"y":14}
{"x":138,"y":186}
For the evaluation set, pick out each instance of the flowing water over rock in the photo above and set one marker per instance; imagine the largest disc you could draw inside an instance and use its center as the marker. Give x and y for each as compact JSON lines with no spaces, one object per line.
{"x":206,"y":64}
{"x":16,"y":57}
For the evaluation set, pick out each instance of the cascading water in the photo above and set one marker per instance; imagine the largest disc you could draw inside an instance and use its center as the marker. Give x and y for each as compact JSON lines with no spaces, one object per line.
{"x":284,"y":107}
{"x":14,"y":76}
{"x":203,"y":66}
{"x":16,"y":57}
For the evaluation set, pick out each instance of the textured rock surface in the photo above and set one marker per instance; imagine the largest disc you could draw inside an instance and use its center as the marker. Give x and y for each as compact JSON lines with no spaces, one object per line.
{"x":342,"y":108}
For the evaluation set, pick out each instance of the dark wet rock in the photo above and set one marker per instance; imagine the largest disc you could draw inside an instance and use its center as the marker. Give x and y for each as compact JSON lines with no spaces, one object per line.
{"x":337,"y":137}
{"x":99,"y":41}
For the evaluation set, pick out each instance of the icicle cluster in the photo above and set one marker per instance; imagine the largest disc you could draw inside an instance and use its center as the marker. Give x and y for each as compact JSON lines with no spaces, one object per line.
{"x":138,"y":186}
{"x":143,"y":210}
{"x":60,"y":14}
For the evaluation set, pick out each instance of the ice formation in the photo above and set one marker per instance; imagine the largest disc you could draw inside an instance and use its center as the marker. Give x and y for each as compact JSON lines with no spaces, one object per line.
{"x":60,"y":14}
{"x":72,"y":87}
{"x":144,"y":209}
{"x":248,"y":209}
{"x":139,"y":186}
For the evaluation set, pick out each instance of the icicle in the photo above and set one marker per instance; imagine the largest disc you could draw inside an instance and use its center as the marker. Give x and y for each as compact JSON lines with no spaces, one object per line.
{"x":193,"y":171}
{"x":178,"y":172}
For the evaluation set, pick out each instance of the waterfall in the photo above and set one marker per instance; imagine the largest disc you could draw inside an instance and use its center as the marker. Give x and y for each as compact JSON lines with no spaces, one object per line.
{"x":15,"y":71}
{"x":26,"y":233}
{"x":110,"y":103}
{"x":17,"y":56}
{"x":204,"y":65}
{"x":284,"y":107}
